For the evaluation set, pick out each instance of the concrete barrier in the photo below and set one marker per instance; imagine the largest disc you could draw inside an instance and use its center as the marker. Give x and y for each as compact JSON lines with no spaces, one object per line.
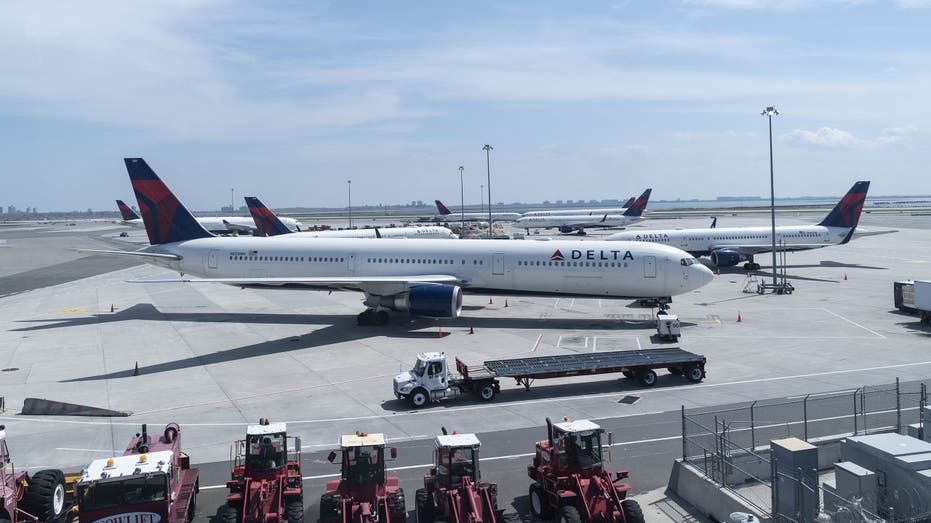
{"x":715,"y":502}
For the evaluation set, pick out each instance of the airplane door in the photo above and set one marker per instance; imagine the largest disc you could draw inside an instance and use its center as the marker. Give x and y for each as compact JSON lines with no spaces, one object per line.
{"x":351,"y":264}
{"x":497,"y":264}
{"x":649,"y":266}
{"x":212,"y":259}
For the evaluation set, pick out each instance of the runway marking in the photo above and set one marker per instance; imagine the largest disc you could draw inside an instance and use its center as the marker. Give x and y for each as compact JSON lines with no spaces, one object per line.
{"x":854,"y":323}
{"x":594,"y":343}
{"x":446,"y":412}
{"x":556,"y":304}
{"x":77,"y":310}
{"x":537,"y":343}
{"x":70,"y":449}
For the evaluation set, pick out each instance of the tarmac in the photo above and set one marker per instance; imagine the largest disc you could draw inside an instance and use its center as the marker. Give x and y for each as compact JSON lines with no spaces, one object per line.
{"x":215,"y":358}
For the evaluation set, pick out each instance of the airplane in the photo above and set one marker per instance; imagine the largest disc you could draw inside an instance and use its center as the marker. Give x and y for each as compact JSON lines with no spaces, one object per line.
{"x":728,"y":246}
{"x":424,"y":277}
{"x":581,"y":212}
{"x":578,"y":223}
{"x":443,"y":213}
{"x":268,"y":224}
{"x":218,"y":225}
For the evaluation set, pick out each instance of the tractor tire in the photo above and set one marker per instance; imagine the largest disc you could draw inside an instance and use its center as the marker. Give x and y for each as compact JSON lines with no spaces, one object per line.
{"x":424,"y":509}
{"x":646,"y":377}
{"x":569,"y":514}
{"x":327,"y":507}
{"x":228,"y":514}
{"x":632,"y":511}
{"x":694,"y":374}
{"x":419,"y":398}
{"x":45,"y":495}
{"x":294,"y":511}
{"x":539,"y":503}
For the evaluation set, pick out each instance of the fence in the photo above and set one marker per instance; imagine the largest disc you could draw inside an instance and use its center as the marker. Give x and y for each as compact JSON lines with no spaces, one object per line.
{"x":731,"y":446}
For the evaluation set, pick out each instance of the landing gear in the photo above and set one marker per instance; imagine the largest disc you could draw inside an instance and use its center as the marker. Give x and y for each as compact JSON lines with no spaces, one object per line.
{"x":751,"y":265}
{"x":372,"y":317}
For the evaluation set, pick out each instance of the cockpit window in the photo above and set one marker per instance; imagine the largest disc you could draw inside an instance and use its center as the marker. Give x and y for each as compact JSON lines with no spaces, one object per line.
{"x":685,"y":262}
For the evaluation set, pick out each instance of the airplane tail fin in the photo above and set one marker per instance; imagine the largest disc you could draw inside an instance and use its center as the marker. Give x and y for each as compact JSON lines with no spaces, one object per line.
{"x":714,"y":222}
{"x":639,"y":205}
{"x":847,"y":211}
{"x":629,"y":202}
{"x":265,"y":220}
{"x":126,"y":212}
{"x":165,"y":217}
{"x":443,"y":210}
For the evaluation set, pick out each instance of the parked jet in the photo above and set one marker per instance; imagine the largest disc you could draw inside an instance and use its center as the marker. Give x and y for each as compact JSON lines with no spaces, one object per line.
{"x":218,"y":225}
{"x":443,"y":213}
{"x":268,"y":224}
{"x":728,"y":246}
{"x":578,"y":223}
{"x":582,"y":212}
{"x":425,"y":277}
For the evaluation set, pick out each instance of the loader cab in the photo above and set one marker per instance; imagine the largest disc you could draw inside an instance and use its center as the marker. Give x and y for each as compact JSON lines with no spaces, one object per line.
{"x":455,"y":458}
{"x":577,"y":445}
{"x":363,"y":458}
{"x":133,"y":483}
{"x":265,"y":448}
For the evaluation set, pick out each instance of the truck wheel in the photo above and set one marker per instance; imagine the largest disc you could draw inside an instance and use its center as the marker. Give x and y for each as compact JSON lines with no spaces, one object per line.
{"x":486,"y":392}
{"x":694,"y":374}
{"x":570,"y":514}
{"x":228,"y":514}
{"x":424,"y":506}
{"x":646,"y":377}
{"x":629,"y":374}
{"x":539,"y":504}
{"x":632,"y":511}
{"x":676,"y":371}
{"x":45,"y":495}
{"x":294,"y":511}
{"x":419,"y":398}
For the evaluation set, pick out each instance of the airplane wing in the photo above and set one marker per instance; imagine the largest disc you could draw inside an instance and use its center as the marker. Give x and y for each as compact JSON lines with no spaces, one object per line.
{"x":233,"y":227}
{"x":378,"y":285}
{"x":136,"y":254}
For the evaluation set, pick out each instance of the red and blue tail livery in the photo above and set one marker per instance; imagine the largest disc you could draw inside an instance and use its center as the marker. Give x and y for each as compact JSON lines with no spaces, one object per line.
{"x":639,"y":205}
{"x":847,"y":211}
{"x":165,"y":217}
{"x":126,"y":212}
{"x":265,"y":220}
{"x":444,"y":210}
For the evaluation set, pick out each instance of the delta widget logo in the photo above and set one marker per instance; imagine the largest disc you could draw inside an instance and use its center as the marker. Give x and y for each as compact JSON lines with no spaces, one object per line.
{"x":557,"y":256}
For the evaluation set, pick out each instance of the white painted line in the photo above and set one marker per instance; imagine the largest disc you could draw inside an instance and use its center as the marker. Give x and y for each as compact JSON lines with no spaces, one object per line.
{"x":537,"y":343}
{"x":854,"y":323}
{"x":594,"y":343}
{"x":107,"y":451}
{"x":572,"y":303}
{"x":556,"y":303}
{"x":639,"y":347}
{"x":559,"y":341}
{"x":820,"y":394}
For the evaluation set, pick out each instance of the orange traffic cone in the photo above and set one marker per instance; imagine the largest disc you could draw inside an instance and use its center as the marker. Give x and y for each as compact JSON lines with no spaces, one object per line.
{"x":439,"y":332}
{"x":845,"y":276}
{"x":505,"y":302}
{"x":739,"y":319}
{"x":136,"y":370}
{"x":719,"y":272}
{"x":471,"y":330}
{"x":111,"y":307}
{"x":489,"y":301}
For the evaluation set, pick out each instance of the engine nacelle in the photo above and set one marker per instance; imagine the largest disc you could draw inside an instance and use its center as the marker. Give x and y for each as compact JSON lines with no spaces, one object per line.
{"x":726,"y":258}
{"x":435,"y":300}
{"x":566,"y":229}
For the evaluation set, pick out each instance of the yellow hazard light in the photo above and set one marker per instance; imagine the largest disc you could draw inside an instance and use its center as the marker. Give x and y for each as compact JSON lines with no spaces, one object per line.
{"x":142,"y":458}
{"x":109,"y":462}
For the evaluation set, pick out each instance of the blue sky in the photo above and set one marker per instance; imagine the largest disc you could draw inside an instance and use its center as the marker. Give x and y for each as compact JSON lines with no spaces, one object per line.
{"x":288,"y":100}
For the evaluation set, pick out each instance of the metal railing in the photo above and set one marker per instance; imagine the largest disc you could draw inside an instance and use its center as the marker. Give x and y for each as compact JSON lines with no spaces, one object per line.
{"x":731,"y":446}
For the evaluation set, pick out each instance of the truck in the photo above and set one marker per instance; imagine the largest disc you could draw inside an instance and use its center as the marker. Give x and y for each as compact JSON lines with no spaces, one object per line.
{"x":265,"y":483}
{"x":453,"y":488}
{"x":151,"y":482}
{"x":570,"y":479}
{"x":364,"y":493}
{"x":913,"y":297}
{"x":431,"y":380}
{"x":26,"y":498}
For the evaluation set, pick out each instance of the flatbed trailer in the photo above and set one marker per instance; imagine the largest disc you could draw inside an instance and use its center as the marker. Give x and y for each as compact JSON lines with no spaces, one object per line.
{"x":430,"y":379}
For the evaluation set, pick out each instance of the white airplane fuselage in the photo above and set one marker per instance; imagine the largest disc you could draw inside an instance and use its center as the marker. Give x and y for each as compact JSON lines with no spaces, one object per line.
{"x":575,"y":221}
{"x":578,"y":212}
{"x":216,"y":225}
{"x":426,"y":232}
{"x":591,"y":268}
{"x":477,"y":217}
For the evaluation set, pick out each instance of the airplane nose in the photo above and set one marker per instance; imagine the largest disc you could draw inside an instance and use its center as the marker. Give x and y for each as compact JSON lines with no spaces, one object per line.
{"x":700,"y":276}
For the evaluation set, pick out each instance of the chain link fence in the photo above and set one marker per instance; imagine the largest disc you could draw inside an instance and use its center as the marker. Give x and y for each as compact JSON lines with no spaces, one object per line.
{"x":731,"y":446}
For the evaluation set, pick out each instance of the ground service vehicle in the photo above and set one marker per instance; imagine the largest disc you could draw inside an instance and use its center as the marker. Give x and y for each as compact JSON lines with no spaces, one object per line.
{"x":364,"y":493}
{"x":913,"y":297}
{"x":430,"y":379}
{"x":265,"y":483}
{"x":570,"y":481}
{"x":25,"y":498}
{"x":151,"y":482}
{"x":453,"y":490}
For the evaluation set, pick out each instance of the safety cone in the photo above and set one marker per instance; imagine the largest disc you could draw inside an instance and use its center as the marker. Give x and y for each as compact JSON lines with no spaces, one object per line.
{"x":845,"y":276}
{"x":471,"y":330}
{"x":505,"y":302}
{"x":489,"y":301}
{"x":719,"y":272}
{"x":111,"y":308}
{"x":739,"y":319}
{"x":136,"y":370}
{"x":439,"y":332}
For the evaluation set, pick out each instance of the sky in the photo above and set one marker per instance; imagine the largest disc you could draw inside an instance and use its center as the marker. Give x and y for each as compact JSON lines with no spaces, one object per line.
{"x":580,"y":100}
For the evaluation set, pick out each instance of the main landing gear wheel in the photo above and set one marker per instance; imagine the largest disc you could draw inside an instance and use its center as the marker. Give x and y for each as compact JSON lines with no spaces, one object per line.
{"x":372,"y":317}
{"x":752,"y":266}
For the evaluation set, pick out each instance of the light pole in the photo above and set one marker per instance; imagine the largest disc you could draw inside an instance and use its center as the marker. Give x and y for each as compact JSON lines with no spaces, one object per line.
{"x":487,"y":148}
{"x":461,"y":203}
{"x":231,"y":201}
{"x":481,"y":198}
{"x":349,"y":185}
{"x":769,"y":112}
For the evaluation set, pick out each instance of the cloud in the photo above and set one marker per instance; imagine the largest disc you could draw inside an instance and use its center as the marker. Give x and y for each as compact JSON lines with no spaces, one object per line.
{"x":897,"y":135}
{"x":832,"y":138}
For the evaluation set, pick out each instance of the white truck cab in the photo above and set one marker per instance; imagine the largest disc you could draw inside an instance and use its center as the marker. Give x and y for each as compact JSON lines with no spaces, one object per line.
{"x":431,"y":380}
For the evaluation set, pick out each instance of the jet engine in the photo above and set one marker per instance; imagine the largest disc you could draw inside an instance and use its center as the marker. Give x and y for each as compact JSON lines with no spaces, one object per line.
{"x":726,"y":257}
{"x":566,"y":229}
{"x":435,"y":300}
